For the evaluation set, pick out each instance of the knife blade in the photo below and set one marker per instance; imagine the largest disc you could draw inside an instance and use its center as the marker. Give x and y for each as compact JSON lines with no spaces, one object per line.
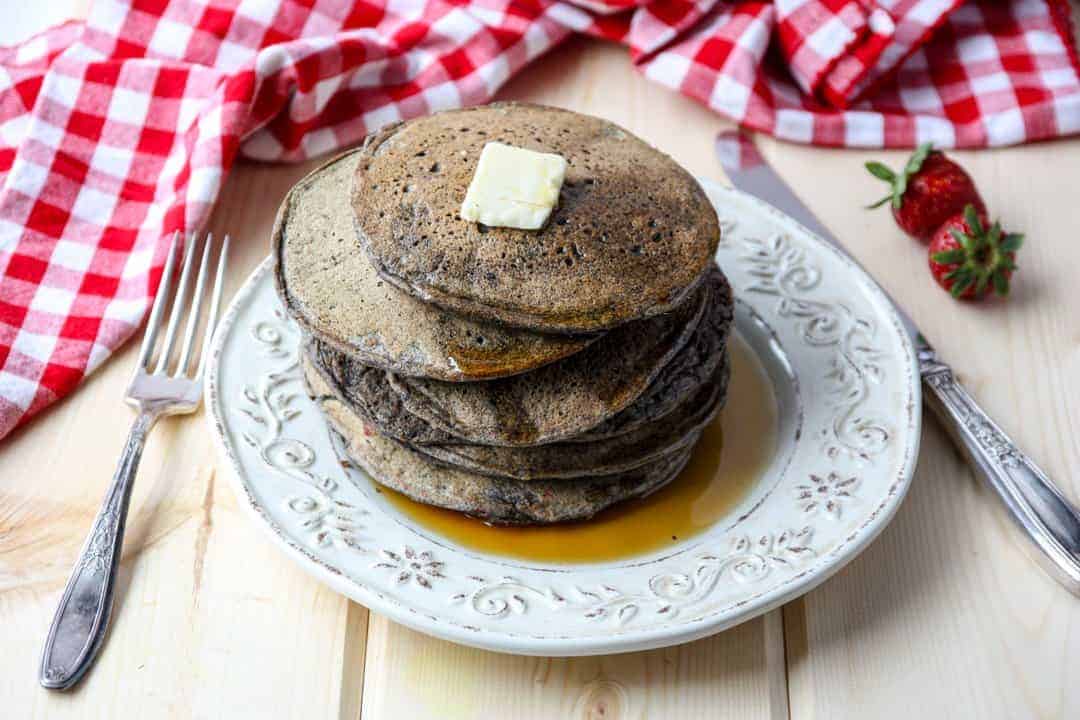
{"x":1037,"y":507}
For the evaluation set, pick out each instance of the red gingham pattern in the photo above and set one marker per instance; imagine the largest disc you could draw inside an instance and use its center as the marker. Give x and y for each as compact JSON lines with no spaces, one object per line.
{"x":117,"y":131}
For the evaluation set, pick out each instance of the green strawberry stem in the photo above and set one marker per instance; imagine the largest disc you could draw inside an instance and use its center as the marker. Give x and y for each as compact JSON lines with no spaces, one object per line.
{"x":898,"y":181}
{"x":983,"y":259}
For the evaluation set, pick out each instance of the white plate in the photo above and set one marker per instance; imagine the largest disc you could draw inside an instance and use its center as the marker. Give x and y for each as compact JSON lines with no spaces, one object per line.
{"x":845,"y":378}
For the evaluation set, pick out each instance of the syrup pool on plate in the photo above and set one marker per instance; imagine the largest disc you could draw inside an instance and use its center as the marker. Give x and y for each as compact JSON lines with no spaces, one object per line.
{"x":732,"y":455}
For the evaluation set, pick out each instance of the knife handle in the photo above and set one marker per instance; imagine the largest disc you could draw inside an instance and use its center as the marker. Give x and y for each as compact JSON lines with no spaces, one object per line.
{"x":1042,"y":513}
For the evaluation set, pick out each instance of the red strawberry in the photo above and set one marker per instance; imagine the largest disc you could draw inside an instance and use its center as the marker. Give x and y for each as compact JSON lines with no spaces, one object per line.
{"x":930,"y":189}
{"x":969,"y":260}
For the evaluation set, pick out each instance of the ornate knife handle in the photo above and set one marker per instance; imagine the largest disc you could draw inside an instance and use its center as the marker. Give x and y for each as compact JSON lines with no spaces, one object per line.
{"x":83,"y":614}
{"x":1044,"y":515}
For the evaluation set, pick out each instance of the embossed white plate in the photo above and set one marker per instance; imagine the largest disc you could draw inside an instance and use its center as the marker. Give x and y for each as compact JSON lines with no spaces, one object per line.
{"x":846,"y":384}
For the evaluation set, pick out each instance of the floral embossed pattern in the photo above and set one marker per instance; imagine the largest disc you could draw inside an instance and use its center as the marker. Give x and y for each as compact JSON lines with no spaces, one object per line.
{"x":666,"y":595}
{"x":826,"y":494}
{"x":840,"y":472}
{"x":270,"y":403}
{"x":409,"y":564}
{"x":784,"y":270}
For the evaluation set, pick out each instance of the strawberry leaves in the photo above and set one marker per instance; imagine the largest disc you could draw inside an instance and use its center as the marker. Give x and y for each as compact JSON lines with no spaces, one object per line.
{"x":915,"y":162}
{"x":898,"y":181}
{"x":972,"y":219}
{"x":950,"y":257}
{"x":934,"y":200}
{"x":969,"y":259}
{"x":1011,"y":242}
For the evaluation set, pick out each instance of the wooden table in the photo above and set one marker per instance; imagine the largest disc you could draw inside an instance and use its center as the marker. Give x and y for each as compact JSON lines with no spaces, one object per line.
{"x":942,"y":616}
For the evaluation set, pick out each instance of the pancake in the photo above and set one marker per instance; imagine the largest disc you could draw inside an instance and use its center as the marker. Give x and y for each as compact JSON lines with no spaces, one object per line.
{"x":369,"y":395}
{"x":328,"y":286}
{"x":371,"y":398}
{"x":631,"y":238}
{"x":367,"y":390}
{"x":554,"y":402}
{"x":694,"y":365}
{"x":497,"y":500}
{"x":661,"y":404}
{"x":622,"y":453}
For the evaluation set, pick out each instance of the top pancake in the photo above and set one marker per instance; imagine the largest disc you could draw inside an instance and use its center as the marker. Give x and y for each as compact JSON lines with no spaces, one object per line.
{"x":330,"y":288}
{"x":631,"y":237}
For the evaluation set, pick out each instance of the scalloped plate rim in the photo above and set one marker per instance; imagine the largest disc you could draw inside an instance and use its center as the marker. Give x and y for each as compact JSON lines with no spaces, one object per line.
{"x":675,"y":632}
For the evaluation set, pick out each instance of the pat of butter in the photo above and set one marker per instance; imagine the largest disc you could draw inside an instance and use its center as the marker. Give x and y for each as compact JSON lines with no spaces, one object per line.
{"x":513,"y":187}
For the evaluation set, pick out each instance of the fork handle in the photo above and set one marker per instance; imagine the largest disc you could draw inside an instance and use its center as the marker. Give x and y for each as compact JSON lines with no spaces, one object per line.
{"x":1035,"y":505}
{"x":82,"y":618}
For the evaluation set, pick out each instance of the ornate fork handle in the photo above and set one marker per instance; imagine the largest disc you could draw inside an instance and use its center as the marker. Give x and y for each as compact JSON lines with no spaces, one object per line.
{"x":1045,"y":516}
{"x":83,"y":615}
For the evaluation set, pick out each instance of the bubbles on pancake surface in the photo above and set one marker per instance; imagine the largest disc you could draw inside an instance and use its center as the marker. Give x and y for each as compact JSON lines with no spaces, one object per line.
{"x":627,"y":247}
{"x":600,"y":209}
{"x":330,"y":288}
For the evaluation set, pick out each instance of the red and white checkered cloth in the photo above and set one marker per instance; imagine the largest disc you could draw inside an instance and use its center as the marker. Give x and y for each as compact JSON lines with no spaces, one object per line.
{"x":117,"y":131}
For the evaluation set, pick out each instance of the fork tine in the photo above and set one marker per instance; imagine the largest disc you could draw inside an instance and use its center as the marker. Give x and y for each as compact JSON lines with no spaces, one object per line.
{"x":196,"y":307}
{"x":178,"y":305}
{"x":211,"y":319}
{"x":164,"y":291}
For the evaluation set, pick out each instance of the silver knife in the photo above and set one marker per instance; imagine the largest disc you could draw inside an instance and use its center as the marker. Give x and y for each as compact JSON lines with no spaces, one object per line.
{"x":1037,"y":507}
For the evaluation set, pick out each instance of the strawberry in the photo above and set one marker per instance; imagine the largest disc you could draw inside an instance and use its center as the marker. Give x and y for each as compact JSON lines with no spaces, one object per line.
{"x":969,"y":260}
{"x":930,"y":189}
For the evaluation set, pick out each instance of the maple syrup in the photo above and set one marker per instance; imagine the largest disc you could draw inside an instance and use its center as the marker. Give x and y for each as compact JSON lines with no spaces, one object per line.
{"x":733,"y":453}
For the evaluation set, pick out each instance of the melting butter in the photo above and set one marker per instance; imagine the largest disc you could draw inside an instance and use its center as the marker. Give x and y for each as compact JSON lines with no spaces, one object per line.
{"x":513,"y":187}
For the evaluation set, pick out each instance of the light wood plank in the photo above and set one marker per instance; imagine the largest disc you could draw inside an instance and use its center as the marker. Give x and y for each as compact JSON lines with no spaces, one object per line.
{"x":409,"y":675}
{"x":944,"y":614}
{"x":942,"y":617}
{"x":776,"y":674}
{"x":211,"y":619}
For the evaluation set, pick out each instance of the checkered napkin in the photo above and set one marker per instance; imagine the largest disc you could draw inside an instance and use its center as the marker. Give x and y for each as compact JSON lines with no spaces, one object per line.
{"x":117,"y":131}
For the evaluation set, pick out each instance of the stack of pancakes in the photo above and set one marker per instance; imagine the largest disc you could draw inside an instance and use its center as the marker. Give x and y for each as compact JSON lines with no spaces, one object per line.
{"x":518,"y":376}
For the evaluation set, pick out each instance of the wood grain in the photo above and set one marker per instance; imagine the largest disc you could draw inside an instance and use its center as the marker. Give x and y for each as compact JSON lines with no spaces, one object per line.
{"x":946,"y":601}
{"x":211,"y":620}
{"x":942,"y":616}
{"x":410,"y":675}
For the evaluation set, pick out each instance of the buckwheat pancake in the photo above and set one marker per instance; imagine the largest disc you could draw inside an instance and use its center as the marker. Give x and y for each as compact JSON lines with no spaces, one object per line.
{"x":369,"y":395}
{"x":329,"y":287}
{"x":553,"y":402}
{"x":661,"y":402}
{"x":499,"y":500}
{"x":694,"y":365}
{"x":368,"y":392}
{"x":621,"y":453}
{"x":372,"y":400}
{"x":625,"y":211}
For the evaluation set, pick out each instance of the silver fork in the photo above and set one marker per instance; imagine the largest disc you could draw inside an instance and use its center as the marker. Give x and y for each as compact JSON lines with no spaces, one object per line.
{"x":82,"y":618}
